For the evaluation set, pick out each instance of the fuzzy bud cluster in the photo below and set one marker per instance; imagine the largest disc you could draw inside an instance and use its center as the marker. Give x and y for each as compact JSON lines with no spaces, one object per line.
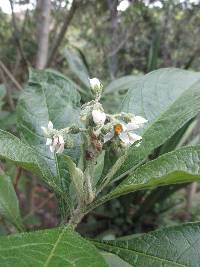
{"x":96,"y":87}
{"x":100,"y":128}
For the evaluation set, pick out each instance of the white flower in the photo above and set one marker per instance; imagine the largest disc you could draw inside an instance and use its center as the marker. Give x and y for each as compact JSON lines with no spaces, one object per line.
{"x":125,"y":134}
{"x":56,"y":143}
{"x":99,"y":117}
{"x":95,"y":83}
{"x":49,"y":128}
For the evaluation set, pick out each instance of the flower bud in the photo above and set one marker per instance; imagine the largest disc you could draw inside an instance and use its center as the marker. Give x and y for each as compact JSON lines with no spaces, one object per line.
{"x":96,"y":86}
{"x":99,"y":117}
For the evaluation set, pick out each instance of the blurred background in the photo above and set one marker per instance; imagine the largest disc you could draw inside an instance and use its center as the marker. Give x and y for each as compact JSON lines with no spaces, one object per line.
{"x":108,"y":39}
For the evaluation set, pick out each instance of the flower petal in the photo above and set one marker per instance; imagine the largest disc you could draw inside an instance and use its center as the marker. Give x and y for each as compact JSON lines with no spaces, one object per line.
{"x":124,"y":127}
{"x":60,"y":139}
{"x":61,"y":148}
{"x":52,"y":148}
{"x":55,"y":141}
{"x":138,"y":120}
{"x":108,"y":136}
{"x":44,"y":129}
{"x":94,"y":82}
{"x":98,"y":116}
{"x":124,"y":138}
{"x":132,"y":126}
{"x":50,"y":125}
{"x":49,"y":141}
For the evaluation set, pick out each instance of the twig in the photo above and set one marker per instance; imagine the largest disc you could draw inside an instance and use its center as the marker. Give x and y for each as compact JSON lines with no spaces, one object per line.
{"x":18,"y":56}
{"x":17,"y":178}
{"x":9,"y":74}
{"x":62,"y":32}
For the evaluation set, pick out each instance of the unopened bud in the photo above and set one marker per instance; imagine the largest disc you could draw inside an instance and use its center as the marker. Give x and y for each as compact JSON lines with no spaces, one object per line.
{"x":96,"y":86}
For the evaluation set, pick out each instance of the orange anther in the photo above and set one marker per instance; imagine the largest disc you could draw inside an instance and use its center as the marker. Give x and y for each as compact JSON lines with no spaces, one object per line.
{"x":118,"y":129}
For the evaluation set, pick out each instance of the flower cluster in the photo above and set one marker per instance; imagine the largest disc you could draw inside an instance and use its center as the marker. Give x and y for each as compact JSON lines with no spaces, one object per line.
{"x":101,"y":127}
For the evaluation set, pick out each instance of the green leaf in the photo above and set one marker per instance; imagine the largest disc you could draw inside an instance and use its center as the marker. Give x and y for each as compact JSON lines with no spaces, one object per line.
{"x":49,"y":96}
{"x":179,"y":166}
{"x":21,"y":154}
{"x":168,"y":99}
{"x":7,"y":120}
{"x":9,"y":206}
{"x":49,"y":248}
{"x":13,"y":149}
{"x":120,"y":84}
{"x":177,"y":246}
{"x":76,"y":175}
{"x":77,"y":66}
{"x":175,"y":140}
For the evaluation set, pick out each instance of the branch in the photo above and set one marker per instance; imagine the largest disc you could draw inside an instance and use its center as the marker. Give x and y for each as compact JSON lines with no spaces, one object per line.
{"x":62,"y":32}
{"x":18,"y":56}
{"x":17,"y":178}
{"x":9,"y":74}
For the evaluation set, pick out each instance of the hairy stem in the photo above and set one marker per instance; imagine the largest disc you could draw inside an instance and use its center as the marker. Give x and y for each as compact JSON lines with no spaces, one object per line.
{"x":76,"y":217}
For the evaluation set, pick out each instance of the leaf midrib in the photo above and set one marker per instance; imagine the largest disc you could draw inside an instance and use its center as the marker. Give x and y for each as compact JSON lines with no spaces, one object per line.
{"x":46,"y":264}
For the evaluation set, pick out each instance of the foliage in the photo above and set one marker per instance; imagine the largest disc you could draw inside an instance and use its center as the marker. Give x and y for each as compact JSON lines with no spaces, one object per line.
{"x":70,"y":162}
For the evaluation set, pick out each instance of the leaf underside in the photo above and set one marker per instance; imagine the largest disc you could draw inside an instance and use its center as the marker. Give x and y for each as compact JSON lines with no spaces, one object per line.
{"x":177,"y":246}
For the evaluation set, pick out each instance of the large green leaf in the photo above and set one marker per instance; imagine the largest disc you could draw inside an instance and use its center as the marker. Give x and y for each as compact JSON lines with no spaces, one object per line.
{"x":49,"y":96}
{"x":167,"y":98}
{"x":49,"y":248}
{"x":179,"y":166}
{"x":177,"y":246}
{"x":9,"y":206}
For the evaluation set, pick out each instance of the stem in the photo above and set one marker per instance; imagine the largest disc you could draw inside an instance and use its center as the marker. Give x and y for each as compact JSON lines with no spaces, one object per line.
{"x":76,"y":218}
{"x":10,"y":76}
